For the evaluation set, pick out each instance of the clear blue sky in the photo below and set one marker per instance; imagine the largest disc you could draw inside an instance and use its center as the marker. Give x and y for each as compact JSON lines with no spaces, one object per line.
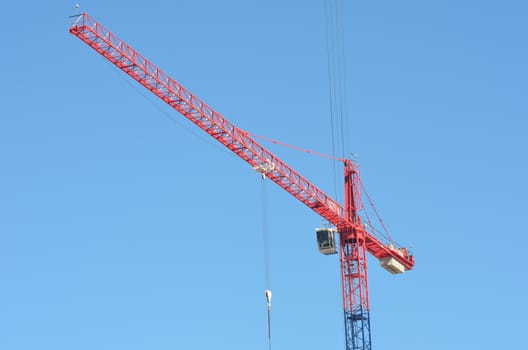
{"x":122,"y":227}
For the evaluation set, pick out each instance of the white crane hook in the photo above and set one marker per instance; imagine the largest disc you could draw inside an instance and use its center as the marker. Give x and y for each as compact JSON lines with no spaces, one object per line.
{"x":268,"y":296}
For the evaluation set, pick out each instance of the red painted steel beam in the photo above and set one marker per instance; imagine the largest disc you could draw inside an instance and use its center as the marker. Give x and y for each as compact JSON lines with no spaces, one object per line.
{"x":240,"y":142}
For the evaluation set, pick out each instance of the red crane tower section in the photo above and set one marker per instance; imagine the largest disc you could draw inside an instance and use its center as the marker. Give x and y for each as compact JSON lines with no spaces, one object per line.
{"x":355,"y":239}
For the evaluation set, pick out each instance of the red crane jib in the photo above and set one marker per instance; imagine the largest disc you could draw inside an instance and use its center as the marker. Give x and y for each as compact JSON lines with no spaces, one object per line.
{"x":174,"y":94}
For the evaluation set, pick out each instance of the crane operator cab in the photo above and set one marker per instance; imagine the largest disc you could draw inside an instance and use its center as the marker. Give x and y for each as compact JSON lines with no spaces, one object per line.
{"x":326,"y":240}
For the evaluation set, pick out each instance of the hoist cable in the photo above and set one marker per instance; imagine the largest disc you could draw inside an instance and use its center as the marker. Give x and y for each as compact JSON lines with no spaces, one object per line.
{"x":343,"y":74}
{"x":265,"y":234}
{"x":265,"y":239}
{"x":339,"y":76}
{"x":269,"y":326}
{"x":337,"y":82}
{"x":330,"y":71}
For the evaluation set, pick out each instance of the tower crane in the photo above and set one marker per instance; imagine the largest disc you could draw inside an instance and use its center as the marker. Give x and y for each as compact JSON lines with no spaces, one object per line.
{"x":354,"y":236}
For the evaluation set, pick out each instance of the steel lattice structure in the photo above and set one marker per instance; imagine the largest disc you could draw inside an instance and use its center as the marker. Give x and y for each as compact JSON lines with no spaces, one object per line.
{"x":355,"y":239}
